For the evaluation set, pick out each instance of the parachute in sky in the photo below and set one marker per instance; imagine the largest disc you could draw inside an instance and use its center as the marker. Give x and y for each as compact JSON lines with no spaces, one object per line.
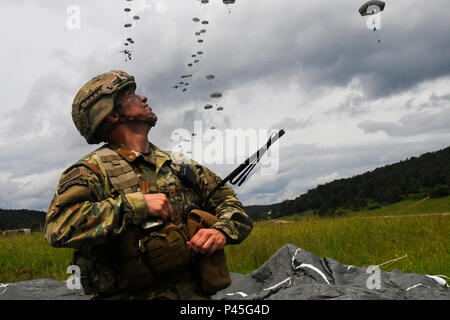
{"x":127,"y":9}
{"x":136,"y":17}
{"x":210,"y":76}
{"x":196,"y":19}
{"x":227,"y":2}
{"x":216,"y":95}
{"x":219,"y":108}
{"x":371,"y":7}
{"x":208,"y":106}
{"x":127,"y":25}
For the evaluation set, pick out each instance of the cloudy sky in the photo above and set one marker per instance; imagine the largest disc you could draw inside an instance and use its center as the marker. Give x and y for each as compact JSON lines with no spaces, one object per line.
{"x":347,"y":102}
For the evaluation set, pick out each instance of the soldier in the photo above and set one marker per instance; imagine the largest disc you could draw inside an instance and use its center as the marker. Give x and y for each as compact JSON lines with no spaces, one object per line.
{"x":105,"y":202}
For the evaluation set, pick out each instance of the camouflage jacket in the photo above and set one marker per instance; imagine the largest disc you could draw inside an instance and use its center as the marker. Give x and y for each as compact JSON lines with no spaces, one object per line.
{"x":86,"y":210}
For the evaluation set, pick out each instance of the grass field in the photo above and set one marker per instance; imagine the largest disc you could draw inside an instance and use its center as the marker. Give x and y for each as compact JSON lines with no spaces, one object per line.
{"x":419,"y":229}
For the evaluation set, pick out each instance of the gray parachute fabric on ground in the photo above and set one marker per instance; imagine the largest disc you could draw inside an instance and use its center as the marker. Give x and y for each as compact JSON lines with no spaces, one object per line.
{"x":290,"y":274}
{"x":295,"y":274}
{"x":40,"y":289}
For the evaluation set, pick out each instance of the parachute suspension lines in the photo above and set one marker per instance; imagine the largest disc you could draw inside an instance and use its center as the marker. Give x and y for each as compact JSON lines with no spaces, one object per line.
{"x":227,"y":2}
{"x":373,"y":8}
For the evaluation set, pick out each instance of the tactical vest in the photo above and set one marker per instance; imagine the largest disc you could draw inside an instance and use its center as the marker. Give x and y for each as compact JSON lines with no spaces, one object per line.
{"x":138,"y":256}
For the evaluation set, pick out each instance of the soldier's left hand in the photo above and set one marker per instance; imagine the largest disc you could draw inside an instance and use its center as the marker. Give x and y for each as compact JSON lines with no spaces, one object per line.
{"x":207,"y":241}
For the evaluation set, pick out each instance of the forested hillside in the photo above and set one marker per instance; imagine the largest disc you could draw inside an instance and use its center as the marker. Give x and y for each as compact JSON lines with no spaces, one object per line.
{"x":19,"y":219}
{"x":416,"y":177}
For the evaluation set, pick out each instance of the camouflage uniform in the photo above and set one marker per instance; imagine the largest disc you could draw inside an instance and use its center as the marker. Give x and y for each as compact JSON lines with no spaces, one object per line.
{"x":99,"y":207}
{"x":89,"y":215}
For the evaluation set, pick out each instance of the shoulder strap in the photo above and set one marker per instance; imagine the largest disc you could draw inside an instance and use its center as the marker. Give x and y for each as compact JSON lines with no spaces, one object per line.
{"x":119,"y":172}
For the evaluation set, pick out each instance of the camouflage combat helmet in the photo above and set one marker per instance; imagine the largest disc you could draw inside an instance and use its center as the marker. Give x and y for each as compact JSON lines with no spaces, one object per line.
{"x":95,"y":101}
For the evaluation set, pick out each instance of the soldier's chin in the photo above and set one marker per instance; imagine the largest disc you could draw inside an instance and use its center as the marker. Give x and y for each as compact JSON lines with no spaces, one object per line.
{"x":151,"y":120}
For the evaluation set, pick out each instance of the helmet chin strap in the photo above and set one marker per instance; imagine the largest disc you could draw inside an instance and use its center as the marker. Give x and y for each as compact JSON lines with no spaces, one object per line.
{"x":139,"y":118}
{"x":149,"y":119}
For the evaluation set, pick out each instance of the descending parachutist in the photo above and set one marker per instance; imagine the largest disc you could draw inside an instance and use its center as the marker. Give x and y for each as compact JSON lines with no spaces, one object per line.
{"x":227,"y":2}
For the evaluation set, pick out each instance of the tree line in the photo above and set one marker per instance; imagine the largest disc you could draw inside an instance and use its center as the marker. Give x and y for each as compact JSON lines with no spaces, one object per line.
{"x":21,"y":219}
{"x":416,"y":177}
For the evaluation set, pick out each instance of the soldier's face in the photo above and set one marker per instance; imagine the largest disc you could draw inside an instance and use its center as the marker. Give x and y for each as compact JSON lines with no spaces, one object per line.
{"x":135,"y":105}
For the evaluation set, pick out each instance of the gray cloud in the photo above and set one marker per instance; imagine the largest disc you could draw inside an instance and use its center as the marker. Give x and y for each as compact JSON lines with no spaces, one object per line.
{"x":352,"y":106}
{"x":436,"y":101}
{"x":291,"y":123}
{"x":411,"y":124}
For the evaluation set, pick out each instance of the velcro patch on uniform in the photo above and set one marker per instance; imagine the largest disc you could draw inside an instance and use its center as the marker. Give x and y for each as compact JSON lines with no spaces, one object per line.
{"x":72,"y":174}
{"x":75,"y":182}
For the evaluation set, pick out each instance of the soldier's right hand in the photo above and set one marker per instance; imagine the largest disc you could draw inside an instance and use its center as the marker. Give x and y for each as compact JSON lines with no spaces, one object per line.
{"x":159,"y":206}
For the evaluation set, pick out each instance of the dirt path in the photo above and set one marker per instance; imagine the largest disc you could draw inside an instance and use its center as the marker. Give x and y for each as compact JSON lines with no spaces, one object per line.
{"x":408,"y":215}
{"x":414,"y":204}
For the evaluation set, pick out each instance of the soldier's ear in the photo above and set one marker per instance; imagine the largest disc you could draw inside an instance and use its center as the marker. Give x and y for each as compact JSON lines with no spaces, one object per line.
{"x":113,"y":117}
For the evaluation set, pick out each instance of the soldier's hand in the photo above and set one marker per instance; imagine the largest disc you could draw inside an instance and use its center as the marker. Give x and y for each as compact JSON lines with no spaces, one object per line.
{"x":207,"y":241}
{"x":159,"y":206}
